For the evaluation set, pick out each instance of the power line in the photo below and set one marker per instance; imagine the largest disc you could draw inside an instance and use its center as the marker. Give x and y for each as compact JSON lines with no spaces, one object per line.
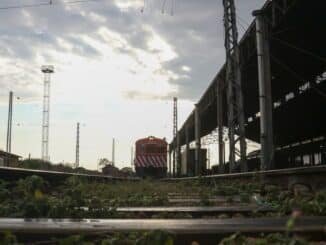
{"x":243,"y":20}
{"x":242,"y":27}
{"x":24,"y":6}
{"x":50,"y":3}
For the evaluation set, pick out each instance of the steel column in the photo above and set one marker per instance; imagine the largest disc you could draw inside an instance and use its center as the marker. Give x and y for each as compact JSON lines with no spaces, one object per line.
{"x":178,"y":153}
{"x":187,"y":146}
{"x":265,"y":92}
{"x":220,"y":127}
{"x":197,"y":140}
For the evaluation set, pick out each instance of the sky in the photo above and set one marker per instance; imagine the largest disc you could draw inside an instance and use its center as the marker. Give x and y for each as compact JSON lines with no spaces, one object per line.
{"x":118,"y":64}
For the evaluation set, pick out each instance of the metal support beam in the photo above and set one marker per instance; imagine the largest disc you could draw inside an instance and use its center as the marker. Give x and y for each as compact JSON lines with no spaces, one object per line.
{"x":265,"y":92}
{"x":187,"y":147}
{"x":178,"y":149}
{"x":197,"y":140}
{"x":220,"y":127}
{"x":9,"y":127}
{"x":234,"y":89}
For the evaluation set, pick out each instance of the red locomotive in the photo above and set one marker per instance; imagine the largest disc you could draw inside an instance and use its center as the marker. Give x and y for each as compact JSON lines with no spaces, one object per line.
{"x":150,"y":159}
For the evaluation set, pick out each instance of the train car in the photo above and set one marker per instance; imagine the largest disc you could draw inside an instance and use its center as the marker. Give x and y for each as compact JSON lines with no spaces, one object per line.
{"x":151,"y":157}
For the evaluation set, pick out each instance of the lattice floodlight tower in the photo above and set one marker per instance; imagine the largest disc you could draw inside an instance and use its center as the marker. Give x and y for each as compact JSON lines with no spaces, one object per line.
{"x":175,"y":136}
{"x":9,"y":128}
{"x":47,"y":71}
{"x":234,"y":91}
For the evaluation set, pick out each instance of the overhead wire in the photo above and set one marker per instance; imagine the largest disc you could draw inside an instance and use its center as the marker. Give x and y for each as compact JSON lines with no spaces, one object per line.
{"x":243,"y":20}
{"x":50,"y":3}
{"x":242,"y":27}
{"x":33,"y":5}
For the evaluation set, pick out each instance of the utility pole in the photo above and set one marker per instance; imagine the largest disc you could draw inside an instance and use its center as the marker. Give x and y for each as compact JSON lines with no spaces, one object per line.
{"x":169,"y":152}
{"x":9,"y":127}
{"x":234,"y":90}
{"x":265,"y":92}
{"x":77,"y":145}
{"x":132,"y":157}
{"x":175,"y":134}
{"x":47,"y":71}
{"x":113,"y":152}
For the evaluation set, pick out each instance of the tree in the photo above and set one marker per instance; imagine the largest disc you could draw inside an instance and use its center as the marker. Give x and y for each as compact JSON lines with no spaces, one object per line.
{"x":103,"y":162}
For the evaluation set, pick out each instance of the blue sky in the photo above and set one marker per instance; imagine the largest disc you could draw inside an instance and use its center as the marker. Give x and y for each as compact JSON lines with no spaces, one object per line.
{"x":117,"y":69}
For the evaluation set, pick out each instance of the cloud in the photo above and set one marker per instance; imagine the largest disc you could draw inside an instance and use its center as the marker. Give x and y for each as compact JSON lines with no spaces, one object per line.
{"x":111,"y":61}
{"x":190,"y":38}
{"x":186,"y":68}
{"x":139,"y":95}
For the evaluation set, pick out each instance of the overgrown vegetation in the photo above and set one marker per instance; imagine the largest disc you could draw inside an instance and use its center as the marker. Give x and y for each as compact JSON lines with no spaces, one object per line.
{"x":276,"y":238}
{"x":79,"y":198}
{"x":33,"y":197}
{"x":131,"y":238}
{"x":161,"y":238}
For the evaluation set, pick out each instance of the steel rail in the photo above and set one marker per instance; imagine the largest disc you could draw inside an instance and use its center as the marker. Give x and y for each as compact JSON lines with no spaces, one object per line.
{"x":320,"y":169}
{"x":13,"y":173}
{"x":199,"y":209}
{"x":176,"y":226}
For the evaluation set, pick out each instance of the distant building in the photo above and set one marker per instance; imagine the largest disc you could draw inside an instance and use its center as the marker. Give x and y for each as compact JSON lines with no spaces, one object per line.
{"x":8,"y":159}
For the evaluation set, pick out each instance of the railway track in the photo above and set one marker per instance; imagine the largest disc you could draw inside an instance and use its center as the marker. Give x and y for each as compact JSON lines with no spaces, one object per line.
{"x":179,"y":212}
{"x":313,"y":177}
{"x":205,"y":231}
{"x":195,"y":211}
{"x":9,"y":173}
{"x":177,"y":226}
